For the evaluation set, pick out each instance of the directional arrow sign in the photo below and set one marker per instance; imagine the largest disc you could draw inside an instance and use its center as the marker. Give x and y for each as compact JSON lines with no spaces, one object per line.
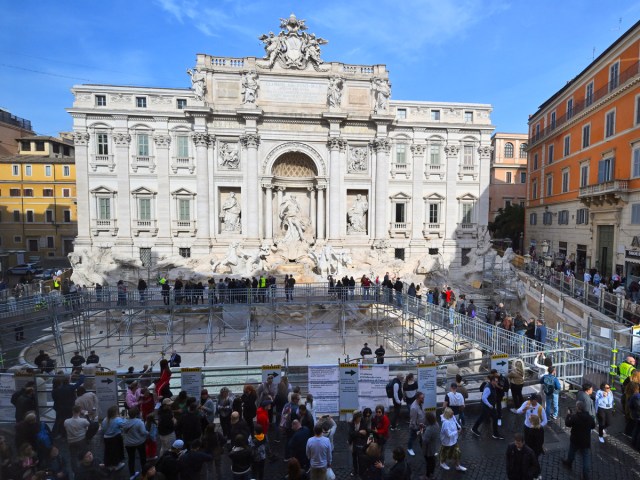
{"x":273,"y":370}
{"x":106,"y":390}
{"x":107,"y":381}
{"x":500,"y":363}
{"x":348,"y":389}
{"x":350,"y":372}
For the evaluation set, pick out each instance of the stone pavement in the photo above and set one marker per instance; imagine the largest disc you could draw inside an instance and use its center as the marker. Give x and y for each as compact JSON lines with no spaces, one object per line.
{"x":484,"y":457}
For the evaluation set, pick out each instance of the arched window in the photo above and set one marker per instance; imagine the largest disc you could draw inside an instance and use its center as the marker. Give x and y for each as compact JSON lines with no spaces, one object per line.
{"x":508,"y":150}
{"x":523,"y":150}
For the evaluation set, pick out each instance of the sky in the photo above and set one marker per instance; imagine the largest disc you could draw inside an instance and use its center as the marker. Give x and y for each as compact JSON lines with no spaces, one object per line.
{"x":511,"y":54}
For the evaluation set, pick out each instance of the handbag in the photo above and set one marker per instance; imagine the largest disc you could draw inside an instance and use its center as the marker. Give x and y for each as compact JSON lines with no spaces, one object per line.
{"x":330,"y":474}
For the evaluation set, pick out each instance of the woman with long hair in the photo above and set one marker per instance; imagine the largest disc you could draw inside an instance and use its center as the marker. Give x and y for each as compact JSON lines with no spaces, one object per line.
{"x":165,"y":377}
{"x":516,"y":379}
{"x":249,"y":407}
{"x":225,"y":403}
{"x":295,"y":471}
{"x":113,"y":442}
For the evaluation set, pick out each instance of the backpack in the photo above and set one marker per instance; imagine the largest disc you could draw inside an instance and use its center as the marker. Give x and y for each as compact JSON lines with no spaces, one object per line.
{"x":43,"y":437}
{"x":285,"y":418}
{"x":549,"y":384}
{"x":389,"y":388}
{"x":504,"y":383}
{"x":483,"y":385}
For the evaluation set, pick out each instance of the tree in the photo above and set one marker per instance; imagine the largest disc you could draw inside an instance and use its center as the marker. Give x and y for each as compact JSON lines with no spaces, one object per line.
{"x":509,"y":223}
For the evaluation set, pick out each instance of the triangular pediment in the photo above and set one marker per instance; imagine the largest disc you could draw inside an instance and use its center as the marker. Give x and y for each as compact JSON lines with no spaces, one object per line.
{"x":143,"y":191}
{"x":434,"y":197}
{"x":103,"y":190}
{"x":468,"y":197}
{"x":400,"y":196}
{"x":183,"y":192}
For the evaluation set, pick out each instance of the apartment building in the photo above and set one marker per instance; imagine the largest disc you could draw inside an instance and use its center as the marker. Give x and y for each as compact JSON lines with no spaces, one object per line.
{"x":508,"y":171}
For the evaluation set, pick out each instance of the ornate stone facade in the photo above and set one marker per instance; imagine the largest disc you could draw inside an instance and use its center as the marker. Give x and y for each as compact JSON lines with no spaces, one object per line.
{"x":304,"y":153}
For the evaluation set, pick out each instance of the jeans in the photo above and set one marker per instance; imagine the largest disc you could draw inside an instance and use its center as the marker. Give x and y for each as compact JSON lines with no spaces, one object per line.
{"x":131,"y":456}
{"x":551,"y":407}
{"x":396,"y":414}
{"x":586,"y":459}
{"x":485,"y":413}
{"x":413,"y":434}
{"x":516,"y":394}
{"x":604,"y":419}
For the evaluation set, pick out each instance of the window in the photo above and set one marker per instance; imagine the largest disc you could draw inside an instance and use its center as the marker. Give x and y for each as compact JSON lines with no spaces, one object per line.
{"x":142,"y":140}
{"x":535,"y":161}
{"x":28,"y":170}
{"x":17,"y":239}
{"x":47,"y":170}
{"x":101,"y":100}
{"x":67,"y":216}
{"x":550,"y":156}
{"x":614,"y":76}
{"x":184,"y":209}
{"x":605,"y":170}
{"x":565,"y":180}
{"x":28,"y":192}
{"x":145,"y":257}
{"x":102,"y":144}
{"x":30,"y":216}
{"x":182,"y":146}
{"x":104,"y":208}
{"x":468,"y":117}
{"x":435,"y":115}
{"x":549,"y":183}
{"x":467,"y":158}
{"x":582,"y":216}
{"x":398,"y":253}
{"x":552,"y":121}
{"x":185,"y":252}
{"x":66,"y":150}
{"x":638,"y":110}
{"x":144,"y":209}
{"x":569,"y":108}
{"x":66,"y":171}
{"x":66,"y":192}
{"x":50,"y":242}
{"x":563,"y":217}
{"x":533,"y":219}
{"x":538,"y":132}
{"x":523,"y":177}
{"x":25,"y":146}
{"x":15,"y":170}
{"x":547,"y":218}
{"x":39,"y":146}
{"x":434,"y":155}
{"x":401,"y":154}
{"x":588,"y":94}
{"x":635,"y":162}
{"x":56,"y":148}
{"x":586,"y":136}
{"x":47,"y":192}
{"x":434,"y":213}
{"x":584,"y":174}
{"x":467,"y":212}
{"x":507,"y":203}
{"x":610,"y":124}
{"x":32,"y":244}
{"x":508,"y":178}
{"x":141,"y":102}
{"x":16,"y":215}
{"x":523,"y":150}
{"x":49,"y":216}
{"x":508,"y":150}
{"x":534,"y":189}
{"x":401,"y":113}
{"x":635,"y":214}
{"x":567,"y":145}
{"x":521,"y":203}
{"x":181,"y":103}
{"x":400,"y":213}
{"x":14,"y":192}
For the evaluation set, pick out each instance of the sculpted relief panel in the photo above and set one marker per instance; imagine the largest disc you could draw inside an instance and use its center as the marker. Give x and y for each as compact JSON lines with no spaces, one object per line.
{"x":293,"y":92}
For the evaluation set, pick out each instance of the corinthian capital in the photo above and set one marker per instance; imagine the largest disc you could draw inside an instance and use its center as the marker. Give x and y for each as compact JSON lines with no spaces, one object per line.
{"x":80,"y":138}
{"x":451,"y":149}
{"x":485,"y":150}
{"x":250,"y":140}
{"x":382,"y":145}
{"x":121,"y":138}
{"x":336,"y":143}
{"x":201,"y":139}
{"x":162,"y":141}
{"x":418,"y":150}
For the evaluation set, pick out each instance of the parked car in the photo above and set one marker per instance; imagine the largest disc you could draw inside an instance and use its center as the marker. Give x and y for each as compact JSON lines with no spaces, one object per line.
{"x":47,"y":274}
{"x":25,"y":269}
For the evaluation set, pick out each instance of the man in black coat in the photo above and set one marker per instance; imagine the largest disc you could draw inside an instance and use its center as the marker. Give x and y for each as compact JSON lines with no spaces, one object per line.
{"x":298,"y":443}
{"x":581,"y":424}
{"x":522,"y":463}
{"x":64,"y":398}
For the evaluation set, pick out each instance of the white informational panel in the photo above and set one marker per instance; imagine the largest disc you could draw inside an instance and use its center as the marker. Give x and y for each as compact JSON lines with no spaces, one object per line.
{"x":106,"y":390}
{"x":500,"y":363}
{"x":7,"y":389}
{"x":635,"y":339}
{"x":324,"y":385}
{"x":372,"y":380}
{"x":191,"y":381}
{"x":428,"y":384}
{"x":274,"y":370}
{"x":348,"y":388}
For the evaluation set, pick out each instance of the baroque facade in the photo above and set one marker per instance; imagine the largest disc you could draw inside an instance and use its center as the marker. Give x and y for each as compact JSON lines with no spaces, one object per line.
{"x":286,"y":155}
{"x":584,"y":165}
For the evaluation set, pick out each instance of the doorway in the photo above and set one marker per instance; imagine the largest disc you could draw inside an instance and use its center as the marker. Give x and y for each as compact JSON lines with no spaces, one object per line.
{"x":605,"y":249}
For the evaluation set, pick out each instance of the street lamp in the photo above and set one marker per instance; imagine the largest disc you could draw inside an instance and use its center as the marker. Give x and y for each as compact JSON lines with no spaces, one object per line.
{"x":548,"y":261}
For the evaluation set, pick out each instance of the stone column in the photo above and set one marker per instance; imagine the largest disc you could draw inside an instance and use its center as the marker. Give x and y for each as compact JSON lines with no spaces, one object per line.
{"x":268,"y":216}
{"x":84,"y":214}
{"x":201,"y":141}
{"x":320,"y":235}
{"x":281,"y":191}
{"x":418,"y":217}
{"x":163,"y":207}
{"x":382,"y":147}
{"x":123,"y":208}
{"x":334,"y":145}
{"x":250,"y":200}
{"x":451,"y":215}
{"x":482,"y":212}
{"x":312,"y":207}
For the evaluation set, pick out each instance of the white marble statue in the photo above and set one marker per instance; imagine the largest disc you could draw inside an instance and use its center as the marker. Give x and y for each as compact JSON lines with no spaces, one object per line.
{"x":334,"y":94}
{"x":198,"y":83}
{"x":291,"y":219}
{"x":230,"y":214}
{"x":249,"y":88}
{"x":232,"y":259}
{"x":357,"y":215}
{"x":228,"y":157}
{"x":272,"y":47}
{"x":381,"y":93}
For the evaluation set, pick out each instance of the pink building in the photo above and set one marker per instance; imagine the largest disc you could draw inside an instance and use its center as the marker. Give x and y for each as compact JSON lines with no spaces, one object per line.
{"x":508,"y":171}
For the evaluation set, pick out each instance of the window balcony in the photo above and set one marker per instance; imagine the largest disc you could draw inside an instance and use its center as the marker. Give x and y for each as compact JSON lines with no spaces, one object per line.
{"x":434,"y":169}
{"x":606,"y":193}
{"x":465,"y":228}
{"x":102,"y":161}
{"x":182,"y":162}
{"x":145,"y":161}
{"x":101,"y":225}
{"x":399,"y":229}
{"x":400,"y":169}
{"x":429,"y":229}
{"x":140,"y":226}
{"x":468,"y":170}
{"x":184,"y":226}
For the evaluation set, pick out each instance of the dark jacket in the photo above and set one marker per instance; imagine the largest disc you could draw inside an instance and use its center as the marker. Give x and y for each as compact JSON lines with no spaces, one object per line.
{"x":521,"y":464}
{"x":189,"y":427}
{"x":169,"y":465}
{"x":298,"y":445}
{"x":190,"y":463}
{"x":581,"y":424}
{"x":240,"y":460}
{"x":400,"y":471}
{"x":165,"y":421}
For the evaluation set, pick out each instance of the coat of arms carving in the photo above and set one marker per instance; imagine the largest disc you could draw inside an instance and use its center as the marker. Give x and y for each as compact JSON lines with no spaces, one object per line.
{"x":292,"y":47}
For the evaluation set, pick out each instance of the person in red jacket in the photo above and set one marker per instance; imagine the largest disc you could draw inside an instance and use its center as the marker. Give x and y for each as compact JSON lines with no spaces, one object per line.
{"x":262,"y":418}
{"x":380,"y":424}
{"x":165,"y":376}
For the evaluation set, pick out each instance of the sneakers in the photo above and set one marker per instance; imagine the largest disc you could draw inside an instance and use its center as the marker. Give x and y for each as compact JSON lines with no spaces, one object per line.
{"x":498,"y":437}
{"x":460,"y":468}
{"x":411,"y":452}
{"x":444,"y":466}
{"x":499,"y":422}
{"x":475,"y":432}
{"x":601,"y":439}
